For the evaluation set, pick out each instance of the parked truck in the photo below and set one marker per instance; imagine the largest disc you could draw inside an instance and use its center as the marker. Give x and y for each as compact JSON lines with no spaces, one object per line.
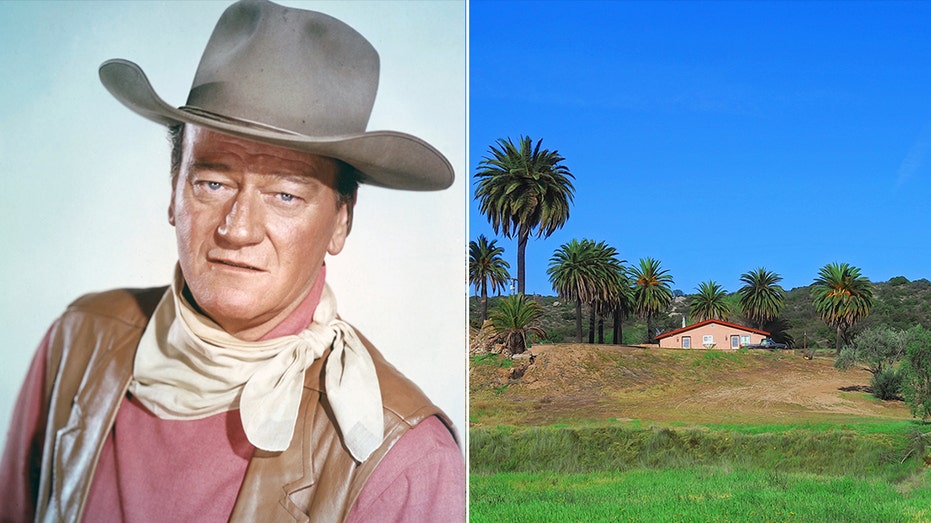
{"x":767,"y":343}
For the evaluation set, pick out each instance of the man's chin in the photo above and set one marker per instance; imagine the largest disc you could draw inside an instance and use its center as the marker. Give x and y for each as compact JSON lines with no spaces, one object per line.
{"x":235,"y":311}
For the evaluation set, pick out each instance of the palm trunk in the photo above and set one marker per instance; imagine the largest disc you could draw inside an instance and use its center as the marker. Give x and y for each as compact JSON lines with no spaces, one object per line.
{"x":591,"y":323}
{"x":618,"y":331}
{"x":522,"y":237}
{"x":578,"y":320}
{"x":601,"y":328}
{"x":484,"y":302}
{"x":615,"y":315}
{"x":839,"y":343}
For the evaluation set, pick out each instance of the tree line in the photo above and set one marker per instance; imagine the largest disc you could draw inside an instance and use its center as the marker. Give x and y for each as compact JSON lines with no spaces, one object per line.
{"x":526,"y":190}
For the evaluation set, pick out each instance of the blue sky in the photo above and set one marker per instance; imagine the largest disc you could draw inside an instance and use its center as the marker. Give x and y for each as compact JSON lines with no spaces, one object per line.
{"x":718,"y":137}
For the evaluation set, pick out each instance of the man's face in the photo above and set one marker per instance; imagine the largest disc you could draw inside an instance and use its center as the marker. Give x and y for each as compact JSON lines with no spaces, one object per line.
{"x":253,"y":223}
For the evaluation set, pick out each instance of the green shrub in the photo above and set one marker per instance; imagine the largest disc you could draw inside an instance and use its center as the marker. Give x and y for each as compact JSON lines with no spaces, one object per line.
{"x":559,"y":335}
{"x":916,"y":385}
{"x":492,"y":360}
{"x":886,"y":384}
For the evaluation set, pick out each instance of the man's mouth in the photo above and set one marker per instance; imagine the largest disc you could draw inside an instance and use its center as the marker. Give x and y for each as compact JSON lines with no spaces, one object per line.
{"x":235,"y":264}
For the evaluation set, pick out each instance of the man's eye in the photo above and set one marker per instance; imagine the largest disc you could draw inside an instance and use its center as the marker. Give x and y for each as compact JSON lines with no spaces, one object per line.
{"x":285,"y":197}
{"x":214,"y":186}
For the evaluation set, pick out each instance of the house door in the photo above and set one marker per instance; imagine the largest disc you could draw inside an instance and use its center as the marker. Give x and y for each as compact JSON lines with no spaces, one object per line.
{"x":735,"y":342}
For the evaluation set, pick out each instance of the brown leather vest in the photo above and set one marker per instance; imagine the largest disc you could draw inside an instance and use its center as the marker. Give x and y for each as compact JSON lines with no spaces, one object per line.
{"x":90,"y":361}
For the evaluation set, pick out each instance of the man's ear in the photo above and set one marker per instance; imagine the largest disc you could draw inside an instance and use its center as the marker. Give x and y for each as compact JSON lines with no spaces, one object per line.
{"x":343,"y":225}
{"x":171,"y":208}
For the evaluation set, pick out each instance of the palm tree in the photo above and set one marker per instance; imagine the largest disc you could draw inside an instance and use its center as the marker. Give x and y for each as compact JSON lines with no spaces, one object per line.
{"x":522,"y":189}
{"x":585,"y":272}
{"x":761,"y":298}
{"x":486,"y":266}
{"x":514,"y":319}
{"x":842,"y":297}
{"x":570,"y":273}
{"x":621,"y":306}
{"x":610,"y":282}
{"x":652,"y":293}
{"x":710,"y":303}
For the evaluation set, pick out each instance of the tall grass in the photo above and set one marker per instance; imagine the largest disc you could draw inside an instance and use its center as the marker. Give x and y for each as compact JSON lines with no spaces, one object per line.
{"x":822,"y":450}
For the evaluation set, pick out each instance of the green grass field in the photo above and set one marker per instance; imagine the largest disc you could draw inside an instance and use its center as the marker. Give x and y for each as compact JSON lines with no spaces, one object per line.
{"x":696,"y":494}
{"x":714,"y":437}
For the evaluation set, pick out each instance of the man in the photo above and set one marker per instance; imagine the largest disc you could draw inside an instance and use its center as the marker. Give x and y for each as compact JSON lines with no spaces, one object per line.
{"x":246,"y":396}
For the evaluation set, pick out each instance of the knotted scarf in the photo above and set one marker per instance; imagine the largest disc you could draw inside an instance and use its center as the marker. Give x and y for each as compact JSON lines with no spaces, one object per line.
{"x":188,"y":367}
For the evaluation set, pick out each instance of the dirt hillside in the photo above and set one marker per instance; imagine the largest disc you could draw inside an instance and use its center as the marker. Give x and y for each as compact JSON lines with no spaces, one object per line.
{"x":572,"y":383}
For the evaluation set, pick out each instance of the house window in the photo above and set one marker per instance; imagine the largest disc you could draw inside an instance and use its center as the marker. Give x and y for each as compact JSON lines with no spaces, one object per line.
{"x":707,"y":339}
{"x":745,"y":340}
{"x":686,"y":342}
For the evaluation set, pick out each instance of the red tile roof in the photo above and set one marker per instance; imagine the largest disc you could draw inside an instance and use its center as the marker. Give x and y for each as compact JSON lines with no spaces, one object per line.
{"x":706,"y":322}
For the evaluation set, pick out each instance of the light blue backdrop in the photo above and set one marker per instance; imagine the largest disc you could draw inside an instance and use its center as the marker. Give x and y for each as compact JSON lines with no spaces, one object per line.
{"x":85,"y":181}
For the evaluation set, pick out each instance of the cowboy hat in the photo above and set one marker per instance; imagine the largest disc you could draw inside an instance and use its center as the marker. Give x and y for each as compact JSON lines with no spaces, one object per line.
{"x":293,"y":78}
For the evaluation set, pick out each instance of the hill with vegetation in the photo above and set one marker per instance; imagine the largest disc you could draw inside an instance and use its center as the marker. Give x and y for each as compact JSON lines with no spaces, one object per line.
{"x":572,"y":383}
{"x":898,"y":303}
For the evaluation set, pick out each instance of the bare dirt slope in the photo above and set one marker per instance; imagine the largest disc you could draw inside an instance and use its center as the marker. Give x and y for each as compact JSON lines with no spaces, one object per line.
{"x":571,"y":383}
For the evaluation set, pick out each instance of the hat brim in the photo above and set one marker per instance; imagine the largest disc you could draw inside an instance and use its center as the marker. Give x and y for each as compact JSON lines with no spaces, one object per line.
{"x":389,"y":159}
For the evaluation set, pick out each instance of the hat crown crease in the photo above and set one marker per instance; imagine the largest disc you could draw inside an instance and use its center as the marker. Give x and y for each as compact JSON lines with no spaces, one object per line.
{"x":330,"y":73}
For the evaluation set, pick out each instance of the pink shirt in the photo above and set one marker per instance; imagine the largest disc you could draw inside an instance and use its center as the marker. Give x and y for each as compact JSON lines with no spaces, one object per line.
{"x":152,"y":469}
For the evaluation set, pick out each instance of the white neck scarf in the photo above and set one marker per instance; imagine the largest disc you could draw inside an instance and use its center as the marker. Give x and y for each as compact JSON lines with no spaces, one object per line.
{"x":188,"y":367}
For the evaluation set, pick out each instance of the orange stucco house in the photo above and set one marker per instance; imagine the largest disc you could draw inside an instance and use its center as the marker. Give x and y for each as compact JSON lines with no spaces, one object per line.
{"x":711,"y":334}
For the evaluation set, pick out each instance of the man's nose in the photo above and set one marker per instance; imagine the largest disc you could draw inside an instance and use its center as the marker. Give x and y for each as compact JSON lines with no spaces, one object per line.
{"x":244,"y":221}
